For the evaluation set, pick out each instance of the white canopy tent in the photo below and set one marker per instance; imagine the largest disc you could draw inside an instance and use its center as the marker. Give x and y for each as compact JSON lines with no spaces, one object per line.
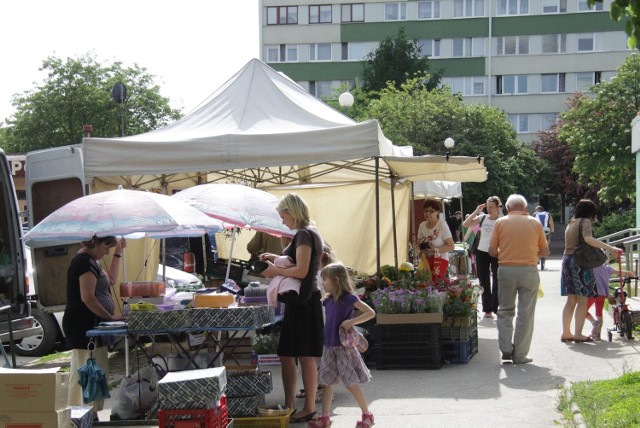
{"x":262,"y":129}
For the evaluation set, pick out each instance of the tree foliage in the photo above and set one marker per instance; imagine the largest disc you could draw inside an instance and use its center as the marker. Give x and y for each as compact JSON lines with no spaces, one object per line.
{"x":413,"y":115}
{"x":77,"y":91}
{"x":598,"y":132}
{"x":396,"y":60}
{"x":629,"y":9}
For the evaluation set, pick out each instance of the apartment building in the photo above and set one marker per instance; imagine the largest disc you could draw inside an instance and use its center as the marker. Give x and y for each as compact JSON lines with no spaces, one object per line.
{"x":522,"y":56}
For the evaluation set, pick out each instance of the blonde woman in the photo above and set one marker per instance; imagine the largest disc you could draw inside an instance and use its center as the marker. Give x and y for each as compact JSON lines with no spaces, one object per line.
{"x":302,"y":324}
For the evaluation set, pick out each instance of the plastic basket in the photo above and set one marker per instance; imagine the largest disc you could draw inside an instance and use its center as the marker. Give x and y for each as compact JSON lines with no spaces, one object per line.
{"x":388,"y":334}
{"x":263,"y":421}
{"x":419,"y":356}
{"x":195,"y":418}
{"x":457,"y":352}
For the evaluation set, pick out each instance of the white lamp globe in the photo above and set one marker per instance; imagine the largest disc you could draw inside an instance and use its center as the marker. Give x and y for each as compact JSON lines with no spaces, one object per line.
{"x":345,"y":100}
{"x":449,"y":143}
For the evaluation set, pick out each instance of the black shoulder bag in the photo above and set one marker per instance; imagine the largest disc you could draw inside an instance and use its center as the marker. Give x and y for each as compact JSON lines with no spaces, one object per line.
{"x":586,"y":256}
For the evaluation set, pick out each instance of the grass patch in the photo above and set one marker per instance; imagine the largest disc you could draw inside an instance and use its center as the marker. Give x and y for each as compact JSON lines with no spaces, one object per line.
{"x":66,"y":355}
{"x":605,"y":403}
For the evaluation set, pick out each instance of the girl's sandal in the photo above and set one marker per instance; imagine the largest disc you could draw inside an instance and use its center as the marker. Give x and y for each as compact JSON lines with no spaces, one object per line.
{"x":319,"y":422}
{"x":366,"y":422}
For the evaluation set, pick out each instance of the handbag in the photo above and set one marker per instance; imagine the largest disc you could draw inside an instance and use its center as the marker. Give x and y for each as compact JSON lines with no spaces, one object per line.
{"x":586,"y":256}
{"x":476,"y":239}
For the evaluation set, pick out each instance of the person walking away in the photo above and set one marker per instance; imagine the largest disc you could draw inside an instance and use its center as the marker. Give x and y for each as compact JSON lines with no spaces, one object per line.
{"x":577,"y":283}
{"x":454,"y":223}
{"x":486,"y":265}
{"x":602,"y":275}
{"x":89,"y":302}
{"x":547,"y":225}
{"x":434,"y":236}
{"x":517,"y":241}
{"x":301,"y":334}
{"x":340,"y":363}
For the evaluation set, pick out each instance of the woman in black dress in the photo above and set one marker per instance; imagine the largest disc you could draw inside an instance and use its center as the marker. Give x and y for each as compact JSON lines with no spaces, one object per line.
{"x":301,"y":336}
{"x":89,"y":302}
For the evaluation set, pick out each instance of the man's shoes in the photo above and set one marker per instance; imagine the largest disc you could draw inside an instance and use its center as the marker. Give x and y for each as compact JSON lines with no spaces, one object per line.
{"x":524,"y":360}
{"x":507,"y":356}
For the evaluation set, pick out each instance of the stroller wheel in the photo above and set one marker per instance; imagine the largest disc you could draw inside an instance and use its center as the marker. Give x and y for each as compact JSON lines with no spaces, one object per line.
{"x":609,"y":336}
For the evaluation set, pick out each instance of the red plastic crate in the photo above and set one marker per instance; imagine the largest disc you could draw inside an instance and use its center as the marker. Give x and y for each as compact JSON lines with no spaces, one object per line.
{"x":195,"y":418}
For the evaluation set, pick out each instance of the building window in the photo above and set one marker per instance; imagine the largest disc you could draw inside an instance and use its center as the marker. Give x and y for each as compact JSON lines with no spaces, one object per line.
{"x":320,"y":52}
{"x":586,"y":42}
{"x":554,"y":43}
{"x":429,"y":9}
{"x":395,"y":11}
{"x":353,"y":12}
{"x":353,"y":51}
{"x":554,"y":6}
{"x":320,"y":14}
{"x":467,"y":8}
{"x":512,"y":84}
{"x":547,"y":120}
{"x":282,"y":15}
{"x":584,"y":81}
{"x":584,"y":7}
{"x":321,"y":89}
{"x":513,"y":45}
{"x":282,"y":53}
{"x":520,"y":122}
{"x":552,"y":82}
{"x":468,"y":47}
{"x":513,"y":7}
{"x":467,"y":86}
{"x":429,"y":47}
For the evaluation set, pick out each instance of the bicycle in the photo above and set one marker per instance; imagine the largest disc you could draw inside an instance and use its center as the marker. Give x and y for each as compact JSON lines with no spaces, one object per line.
{"x":624,"y":319}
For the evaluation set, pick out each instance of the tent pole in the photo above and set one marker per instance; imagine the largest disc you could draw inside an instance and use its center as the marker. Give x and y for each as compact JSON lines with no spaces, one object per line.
{"x":393,"y":220}
{"x":412,"y":214}
{"x":233,"y":240}
{"x":377,"y":193}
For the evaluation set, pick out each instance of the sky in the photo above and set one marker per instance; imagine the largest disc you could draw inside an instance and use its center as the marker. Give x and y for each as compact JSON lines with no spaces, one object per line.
{"x":191,"y":46}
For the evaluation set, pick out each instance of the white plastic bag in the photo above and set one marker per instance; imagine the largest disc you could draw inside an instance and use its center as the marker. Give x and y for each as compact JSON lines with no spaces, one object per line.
{"x":136,"y":394}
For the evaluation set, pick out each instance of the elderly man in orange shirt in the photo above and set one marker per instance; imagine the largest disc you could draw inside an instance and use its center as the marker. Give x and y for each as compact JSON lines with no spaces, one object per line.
{"x":518,"y":242}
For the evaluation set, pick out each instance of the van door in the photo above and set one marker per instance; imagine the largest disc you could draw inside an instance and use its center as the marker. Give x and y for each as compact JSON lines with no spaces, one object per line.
{"x":13,"y":291}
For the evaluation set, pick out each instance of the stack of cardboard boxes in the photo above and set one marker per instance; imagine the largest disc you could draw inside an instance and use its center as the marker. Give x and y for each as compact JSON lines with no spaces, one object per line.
{"x":35,"y":398}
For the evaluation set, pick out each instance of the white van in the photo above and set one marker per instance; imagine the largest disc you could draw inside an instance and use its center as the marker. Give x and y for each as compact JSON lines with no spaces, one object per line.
{"x":13,"y":284}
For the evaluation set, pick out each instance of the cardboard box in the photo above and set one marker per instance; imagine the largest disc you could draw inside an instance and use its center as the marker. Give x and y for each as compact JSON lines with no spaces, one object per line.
{"x":238,"y":317}
{"x":245,"y":406}
{"x":23,"y":390}
{"x":52,"y":419}
{"x":148,"y":320}
{"x":243,"y":383}
{"x":433,"y":318}
{"x":192,"y":389}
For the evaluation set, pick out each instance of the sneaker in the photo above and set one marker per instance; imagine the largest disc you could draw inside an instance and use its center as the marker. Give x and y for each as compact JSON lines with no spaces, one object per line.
{"x":595,"y":331}
{"x":524,"y":360}
{"x":366,"y":421}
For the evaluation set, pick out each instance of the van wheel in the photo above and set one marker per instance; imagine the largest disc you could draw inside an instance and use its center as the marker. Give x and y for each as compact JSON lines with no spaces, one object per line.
{"x":42,"y":343}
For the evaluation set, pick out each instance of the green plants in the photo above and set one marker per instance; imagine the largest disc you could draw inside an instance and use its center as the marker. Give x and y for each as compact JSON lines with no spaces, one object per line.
{"x":265,"y":343}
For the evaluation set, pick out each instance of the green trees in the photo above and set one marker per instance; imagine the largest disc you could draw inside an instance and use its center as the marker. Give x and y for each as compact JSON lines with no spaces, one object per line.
{"x":416,"y":116}
{"x":395,"y":60}
{"x":77,"y":91}
{"x":598,"y":132}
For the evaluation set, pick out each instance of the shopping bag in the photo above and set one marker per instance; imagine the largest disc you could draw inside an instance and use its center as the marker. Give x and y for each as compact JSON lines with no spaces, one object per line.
{"x":93,"y":381}
{"x":540,"y":291}
{"x":424,"y":271}
{"x":438,"y":266}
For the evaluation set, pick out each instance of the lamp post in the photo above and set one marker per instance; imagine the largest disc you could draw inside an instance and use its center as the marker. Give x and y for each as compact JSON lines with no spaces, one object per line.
{"x":449,"y":143}
{"x":346,"y":101}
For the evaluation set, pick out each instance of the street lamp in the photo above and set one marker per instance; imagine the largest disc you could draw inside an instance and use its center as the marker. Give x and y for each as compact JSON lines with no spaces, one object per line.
{"x":449,"y":143}
{"x":345,"y":100}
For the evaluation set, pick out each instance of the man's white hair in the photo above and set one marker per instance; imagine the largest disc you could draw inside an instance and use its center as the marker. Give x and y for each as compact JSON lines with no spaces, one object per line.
{"x":516,"y":201}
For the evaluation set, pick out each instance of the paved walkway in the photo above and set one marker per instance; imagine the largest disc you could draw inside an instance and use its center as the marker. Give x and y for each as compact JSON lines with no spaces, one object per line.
{"x":485,"y":392}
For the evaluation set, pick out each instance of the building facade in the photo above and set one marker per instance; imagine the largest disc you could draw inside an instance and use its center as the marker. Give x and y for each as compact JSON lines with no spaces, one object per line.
{"x":525,"y":57}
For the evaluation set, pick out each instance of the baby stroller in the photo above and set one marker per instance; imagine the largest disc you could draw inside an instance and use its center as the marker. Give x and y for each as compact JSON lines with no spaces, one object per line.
{"x":624,"y":319}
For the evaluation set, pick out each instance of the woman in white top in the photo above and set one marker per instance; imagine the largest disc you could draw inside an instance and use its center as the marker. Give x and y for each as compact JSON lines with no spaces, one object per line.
{"x":486,"y":266}
{"x":434,"y":235}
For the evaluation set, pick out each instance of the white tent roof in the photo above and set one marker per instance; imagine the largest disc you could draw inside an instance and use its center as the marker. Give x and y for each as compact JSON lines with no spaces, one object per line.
{"x":439,"y":189}
{"x":259,"y":118}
